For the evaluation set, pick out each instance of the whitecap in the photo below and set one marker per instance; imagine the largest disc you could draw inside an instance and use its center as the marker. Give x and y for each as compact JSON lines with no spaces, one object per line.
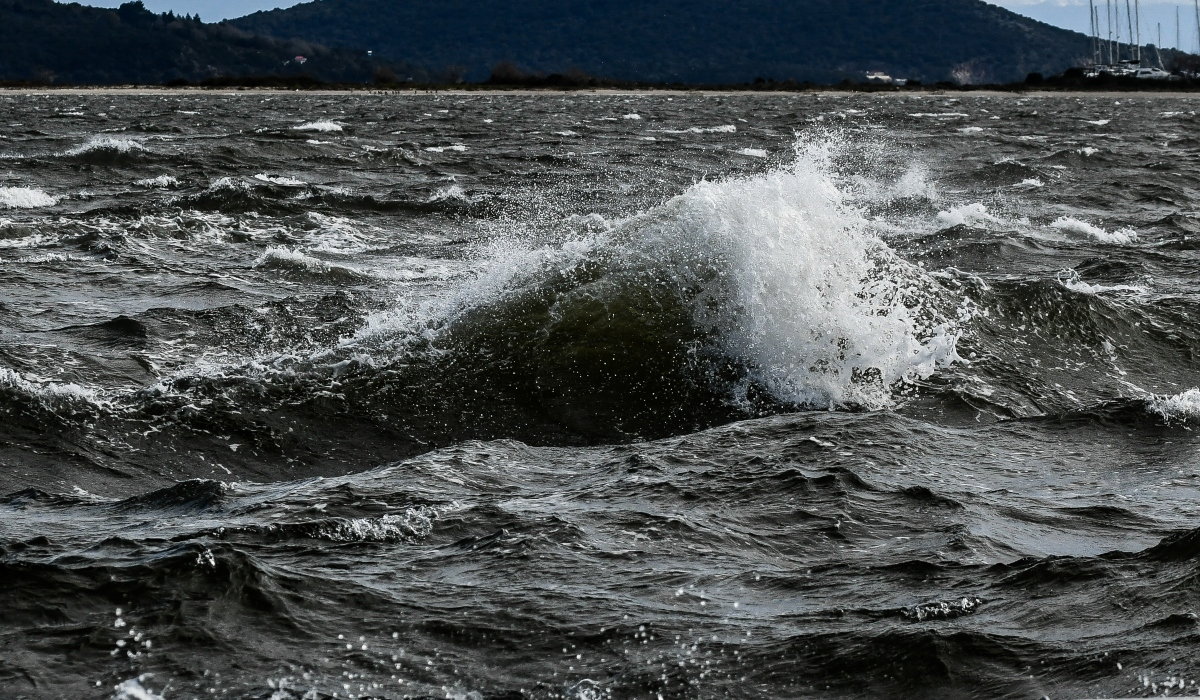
{"x":753,"y":152}
{"x":413,"y":525}
{"x":777,"y":271}
{"x":50,"y":393}
{"x":1071,"y":280}
{"x":281,"y":180}
{"x":325,"y":125}
{"x":162,"y":181}
{"x":25,"y":198}
{"x":1182,"y":406}
{"x":132,"y":689}
{"x":286,"y":259}
{"x":107,"y":142}
{"x":1069,"y":225}
{"x":723,"y":129}
{"x":967,"y":215}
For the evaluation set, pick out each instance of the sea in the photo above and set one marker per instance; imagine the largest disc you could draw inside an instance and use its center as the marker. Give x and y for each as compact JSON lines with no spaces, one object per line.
{"x":599,"y":395}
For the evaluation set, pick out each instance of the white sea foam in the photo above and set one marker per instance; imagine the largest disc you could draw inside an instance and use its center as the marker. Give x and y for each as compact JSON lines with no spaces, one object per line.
{"x":1097,"y":122}
{"x":33,"y":241}
{"x":279,"y":180}
{"x":290,"y":258}
{"x":723,"y":129}
{"x":1088,"y":151}
{"x":1184,"y":406}
{"x":632,"y":117}
{"x":451,"y":193}
{"x":440,"y":149}
{"x":1071,"y":280}
{"x":753,"y":152}
{"x":1069,"y":225}
{"x":970,"y":130}
{"x":51,"y":393}
{"x":25,"y":198}
{"x":107,"y":142}
{"x":133,"y":689}
{"x":325,"y":125}
{"x":162,"y":181}
{"x":778,"y":270}
{"x":1031,"y":182}
{"x":971,"y":215}
{"x":280,"y":258}
{"x":413,"y":525}
{"x":336,"y":235}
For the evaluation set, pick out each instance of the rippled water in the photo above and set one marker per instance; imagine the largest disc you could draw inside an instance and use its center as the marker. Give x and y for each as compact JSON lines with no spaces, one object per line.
{"x":598,"y":396}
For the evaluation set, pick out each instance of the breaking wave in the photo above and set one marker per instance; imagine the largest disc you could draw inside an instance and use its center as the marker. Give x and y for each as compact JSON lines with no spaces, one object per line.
{"x":288,"y":260}
{"x":770,"y":283}
{"x":1082,"y":228}
{"x":1184,"y":406}
{"x":25,"y":198}
{"x":322,"y":125}
{"x":106,"y":149}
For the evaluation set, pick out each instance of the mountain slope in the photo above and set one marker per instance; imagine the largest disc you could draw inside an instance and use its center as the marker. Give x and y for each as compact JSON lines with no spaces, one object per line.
{"x":44,"y":41}
{"x":697,"y":41}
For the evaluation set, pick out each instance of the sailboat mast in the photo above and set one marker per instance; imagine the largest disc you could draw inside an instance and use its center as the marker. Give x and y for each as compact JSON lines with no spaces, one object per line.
{"x":1108,"y":12}
{"x":1129,"y":19}
{"x":1158,"y":48}
{"x":1092,"y":28}
{"x":1116,"y":31}
{"x":1137,"y":19}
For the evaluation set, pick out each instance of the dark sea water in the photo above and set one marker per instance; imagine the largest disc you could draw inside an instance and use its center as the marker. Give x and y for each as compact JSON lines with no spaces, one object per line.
{"x":599,"y":396}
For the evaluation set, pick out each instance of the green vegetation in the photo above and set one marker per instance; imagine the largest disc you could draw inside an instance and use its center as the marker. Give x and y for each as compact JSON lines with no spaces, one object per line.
{"x":42,"y":41}
{"x":563,"y":44}
{"x":690,"y":41}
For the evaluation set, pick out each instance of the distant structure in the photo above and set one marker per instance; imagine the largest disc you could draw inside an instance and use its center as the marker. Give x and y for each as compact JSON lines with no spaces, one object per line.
{"x":1108,"y":56}
{"x":881,"y":78}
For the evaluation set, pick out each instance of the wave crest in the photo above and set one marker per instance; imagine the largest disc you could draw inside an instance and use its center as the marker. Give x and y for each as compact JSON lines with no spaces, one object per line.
{"x":770,"y":281}
{"x":25,"y":198}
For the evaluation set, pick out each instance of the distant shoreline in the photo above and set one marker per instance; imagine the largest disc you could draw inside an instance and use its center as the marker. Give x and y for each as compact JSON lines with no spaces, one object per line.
{"x":459,"y":91}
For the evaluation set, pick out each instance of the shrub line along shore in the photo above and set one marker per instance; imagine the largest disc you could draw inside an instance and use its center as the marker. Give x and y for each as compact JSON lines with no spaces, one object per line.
{"x":459,"y":90}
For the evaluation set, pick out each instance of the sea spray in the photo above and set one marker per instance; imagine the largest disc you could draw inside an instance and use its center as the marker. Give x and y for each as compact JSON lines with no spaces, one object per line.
{"x":775,"y":274}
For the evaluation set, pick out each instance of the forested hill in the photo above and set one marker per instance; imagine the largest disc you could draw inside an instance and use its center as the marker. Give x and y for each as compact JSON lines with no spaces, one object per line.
{"x":47,"y":42}
{"x":693,"y":41}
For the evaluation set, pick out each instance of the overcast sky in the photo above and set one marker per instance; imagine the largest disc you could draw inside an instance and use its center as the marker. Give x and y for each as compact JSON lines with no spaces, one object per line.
{"x":1072,"y":14}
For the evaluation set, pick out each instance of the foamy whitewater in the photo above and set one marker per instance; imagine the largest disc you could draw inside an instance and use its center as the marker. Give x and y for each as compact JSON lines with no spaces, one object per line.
{"x":598,"y":396}
{"x":25,"y":198}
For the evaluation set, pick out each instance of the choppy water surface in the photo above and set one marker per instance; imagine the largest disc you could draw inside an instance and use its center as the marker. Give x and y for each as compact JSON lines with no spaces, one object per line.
{"x":598,"y":396}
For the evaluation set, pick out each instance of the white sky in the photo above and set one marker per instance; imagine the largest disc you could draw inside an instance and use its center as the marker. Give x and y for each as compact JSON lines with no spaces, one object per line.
{"x":1072,"y":14}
